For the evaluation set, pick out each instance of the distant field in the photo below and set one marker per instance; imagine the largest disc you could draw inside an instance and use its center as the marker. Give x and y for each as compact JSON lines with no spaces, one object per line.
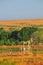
{"x":20,"y":23}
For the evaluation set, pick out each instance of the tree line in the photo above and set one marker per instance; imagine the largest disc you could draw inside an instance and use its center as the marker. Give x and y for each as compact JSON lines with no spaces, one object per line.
{"x":16,"y":36}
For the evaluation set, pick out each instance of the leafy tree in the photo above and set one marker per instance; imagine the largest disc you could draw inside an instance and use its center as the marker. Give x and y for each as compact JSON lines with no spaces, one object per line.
{"x":26,"y":32}
{"x":38,"y":37}
{"x":14,"y":35}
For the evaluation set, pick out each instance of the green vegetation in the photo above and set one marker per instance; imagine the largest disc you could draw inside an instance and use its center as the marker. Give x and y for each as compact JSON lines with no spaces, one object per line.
{"x":5,"y":62}
{"x":9,"y":50}
{"x":15,"y":36}
{"x":26,"y":33}
{"x":38,"y":36}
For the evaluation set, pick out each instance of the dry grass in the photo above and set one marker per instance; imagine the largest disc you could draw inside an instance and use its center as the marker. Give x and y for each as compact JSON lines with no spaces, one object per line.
{"x":20,"y":23}
{"x":20,"y":58}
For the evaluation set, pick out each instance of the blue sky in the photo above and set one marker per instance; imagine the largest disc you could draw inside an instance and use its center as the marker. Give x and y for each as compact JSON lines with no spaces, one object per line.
{"x":21,"y":9}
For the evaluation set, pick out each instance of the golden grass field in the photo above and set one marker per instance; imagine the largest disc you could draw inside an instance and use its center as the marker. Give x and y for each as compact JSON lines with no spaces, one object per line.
{"x":19,"y":57}
{"x":6,"y":24}
{"x":21,"y":22}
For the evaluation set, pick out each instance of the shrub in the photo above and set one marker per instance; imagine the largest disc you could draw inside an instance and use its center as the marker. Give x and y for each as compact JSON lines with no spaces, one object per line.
{"x":1,"y":42}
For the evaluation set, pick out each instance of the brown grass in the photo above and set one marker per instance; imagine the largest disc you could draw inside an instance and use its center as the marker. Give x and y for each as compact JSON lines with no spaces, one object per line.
{"x":20,"y":23}
{"x":20,"y":58}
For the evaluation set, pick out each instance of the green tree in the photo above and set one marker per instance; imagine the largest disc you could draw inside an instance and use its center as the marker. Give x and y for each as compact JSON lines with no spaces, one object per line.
{"x":26,"y":33}
{"x":38,"y":37}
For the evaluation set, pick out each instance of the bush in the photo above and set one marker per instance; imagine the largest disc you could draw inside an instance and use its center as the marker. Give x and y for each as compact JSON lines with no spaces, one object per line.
{"x":17,"y":42}
{"x":1,"y":42}
{"x":8,"y":42}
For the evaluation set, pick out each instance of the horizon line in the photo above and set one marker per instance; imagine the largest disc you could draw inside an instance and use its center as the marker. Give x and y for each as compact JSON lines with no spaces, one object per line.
{"x":23,"y":19}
